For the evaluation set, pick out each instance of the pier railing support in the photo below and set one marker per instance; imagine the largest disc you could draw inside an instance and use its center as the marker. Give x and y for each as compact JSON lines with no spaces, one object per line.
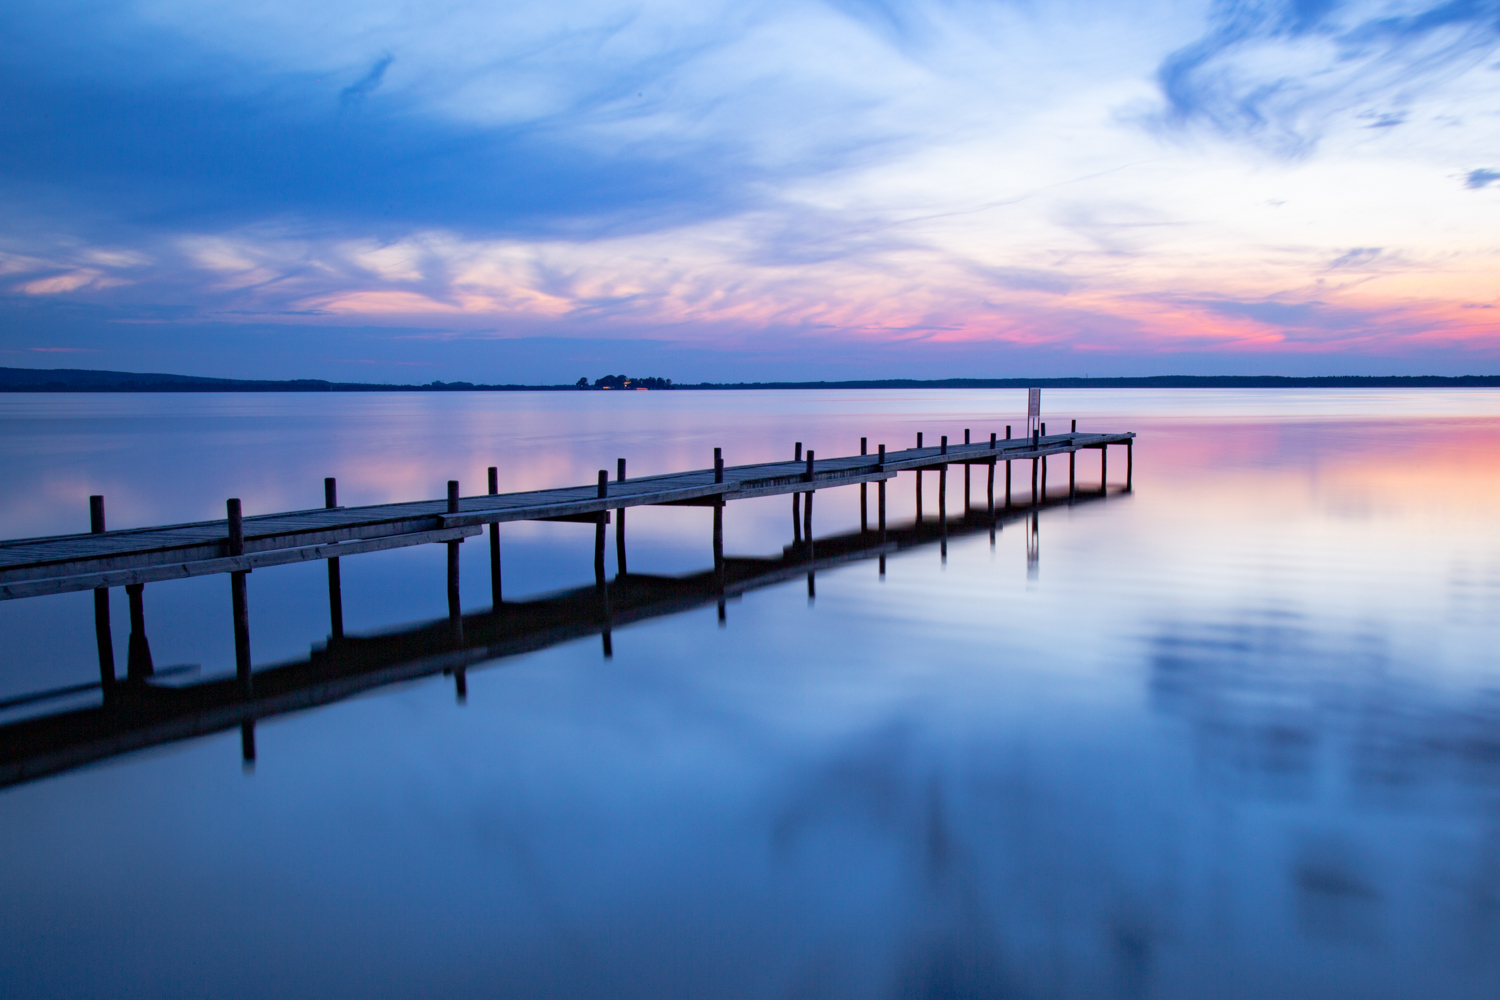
{"x":239,"y":600}
{"x":335,"y":584}
{"x":103,"y":637}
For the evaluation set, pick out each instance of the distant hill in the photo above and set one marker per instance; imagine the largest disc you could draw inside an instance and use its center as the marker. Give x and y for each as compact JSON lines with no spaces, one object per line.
{"x":87,"y":380}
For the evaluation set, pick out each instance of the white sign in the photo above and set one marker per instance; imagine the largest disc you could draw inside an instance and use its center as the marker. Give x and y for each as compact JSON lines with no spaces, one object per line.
{"x":1033,"y":411}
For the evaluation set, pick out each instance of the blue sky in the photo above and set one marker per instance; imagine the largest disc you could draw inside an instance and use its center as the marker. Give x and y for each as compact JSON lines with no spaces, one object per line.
{"x":533,"y":192}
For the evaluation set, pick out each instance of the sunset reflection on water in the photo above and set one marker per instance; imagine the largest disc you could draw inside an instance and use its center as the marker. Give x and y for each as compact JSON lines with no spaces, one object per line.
{"x":1236,"y":733}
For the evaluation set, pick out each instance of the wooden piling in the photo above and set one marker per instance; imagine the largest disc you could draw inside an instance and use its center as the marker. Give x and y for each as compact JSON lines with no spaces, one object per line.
{"x":943,"y":505}
{"x":1007,"y":471}
{"x":620,"y":524}
{"x":989,"y":492}
{"x":239,"y":599}
{"x":719,"y":543}
{"x":807,"y":499}
{"x":1129,"y":465}
{"x":1072,"y":474}
{"x":455,"y":608}
{"x":138,"y":653}
{"x":103,"y":638}
{"x":1033,"y":481}
{"x":718,"y":465}
{"x":797,"y":453}
{"x":796,"y":518}
{"x":335,"y":583}
{"x":966,"y":477}
{"x":493,"y":485}
{"x":880,"y":506}
{"x":1104,"y":470}
{"x":599,"y":532}
{"x":864,"y":494}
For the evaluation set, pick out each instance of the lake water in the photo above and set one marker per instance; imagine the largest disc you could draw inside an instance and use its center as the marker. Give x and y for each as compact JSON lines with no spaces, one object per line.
{"x":1233,"y":734}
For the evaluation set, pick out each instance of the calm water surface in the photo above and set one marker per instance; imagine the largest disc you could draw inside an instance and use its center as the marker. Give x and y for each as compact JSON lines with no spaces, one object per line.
{"x":1236,"y":734}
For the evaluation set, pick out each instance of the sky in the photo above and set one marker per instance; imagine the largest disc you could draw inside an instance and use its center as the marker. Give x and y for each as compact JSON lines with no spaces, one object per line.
{"x":750,"y":189}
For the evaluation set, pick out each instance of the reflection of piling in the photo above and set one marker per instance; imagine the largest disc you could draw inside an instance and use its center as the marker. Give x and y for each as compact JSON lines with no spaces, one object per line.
{"x":335,"y":584}
{"x":247,"y":746}
{"x":1034,"y":547}
{"x":103,"y":637}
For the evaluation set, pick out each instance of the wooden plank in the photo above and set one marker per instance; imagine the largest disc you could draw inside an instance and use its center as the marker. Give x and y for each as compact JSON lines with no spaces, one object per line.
{"x":227,"y":564}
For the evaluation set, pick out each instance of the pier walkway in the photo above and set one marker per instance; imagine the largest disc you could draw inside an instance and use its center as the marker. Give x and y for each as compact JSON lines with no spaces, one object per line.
{"x":34,"y":567}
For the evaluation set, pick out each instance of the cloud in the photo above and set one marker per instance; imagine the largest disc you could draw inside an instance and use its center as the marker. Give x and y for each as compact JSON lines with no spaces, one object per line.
{"x":1481,"y":178}
{"x":1274,"y":72}
{"x":357,"y":91}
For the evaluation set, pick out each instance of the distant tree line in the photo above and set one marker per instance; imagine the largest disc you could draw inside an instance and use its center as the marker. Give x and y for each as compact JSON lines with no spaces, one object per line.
{"x":625,"y":382}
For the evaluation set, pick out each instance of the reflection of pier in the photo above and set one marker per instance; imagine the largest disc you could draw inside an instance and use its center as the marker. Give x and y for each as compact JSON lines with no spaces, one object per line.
{"x":142,"y":713}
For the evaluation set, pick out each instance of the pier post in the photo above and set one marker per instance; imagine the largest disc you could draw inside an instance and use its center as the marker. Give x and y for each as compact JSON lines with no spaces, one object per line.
{"x":966,"y":479}
{"x":335,"y":584}
{"x":1129,"y":464}
{"x":103,"y":638}
{"x":1007,"y":471}
{"x":919,"y":495}
{"x":989,"y":492}
{"x":138,"y":654}
{"x":880,"y":503}
{"x":796,"y":518}
{"x":864,"y":494}
{"x":239,"y":600}
{"x":1044,"y":479}
{"x":599,"y":582}
{"x":493,"y":485}
{"x":718,"y":466}
{"x":1036,"y":446}
{"x":1104,"y":470}
{"x":599,"y":531}
{"x":807,"y":530}
{"x":807,"y":499}
{"x":919,"y":439}
{"x":455,"y":608}
{"x":719,"y":543}
{"x":943,"y":505}
{"x":797,"y":453}
{"x":620,"y":523}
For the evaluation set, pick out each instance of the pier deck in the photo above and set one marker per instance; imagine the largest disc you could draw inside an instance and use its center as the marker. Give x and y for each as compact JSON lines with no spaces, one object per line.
{"x":34,"y":567}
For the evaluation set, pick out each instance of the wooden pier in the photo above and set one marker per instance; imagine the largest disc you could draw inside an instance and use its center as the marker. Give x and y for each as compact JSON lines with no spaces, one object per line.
{"x":148,"y":711}
{"x":238,"y":545}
